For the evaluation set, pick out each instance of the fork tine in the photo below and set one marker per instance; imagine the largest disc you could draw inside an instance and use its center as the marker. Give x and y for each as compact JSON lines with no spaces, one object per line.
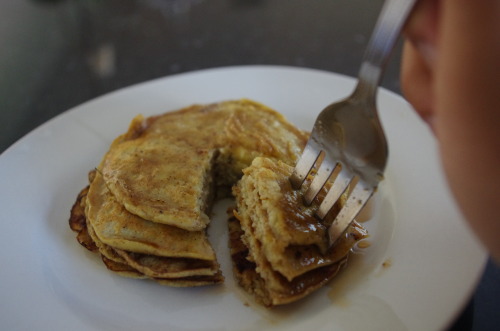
{"x":324,"y":172}
{"x":339,"y":186}
{"x":357,"y":199}
{"x":304,"y":165}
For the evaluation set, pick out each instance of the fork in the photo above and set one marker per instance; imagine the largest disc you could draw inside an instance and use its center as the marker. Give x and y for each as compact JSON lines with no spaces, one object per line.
{"x":347,"y":142}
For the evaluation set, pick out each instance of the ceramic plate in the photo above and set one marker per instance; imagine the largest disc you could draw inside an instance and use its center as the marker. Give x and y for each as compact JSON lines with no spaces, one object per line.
{"x":419,"y":271}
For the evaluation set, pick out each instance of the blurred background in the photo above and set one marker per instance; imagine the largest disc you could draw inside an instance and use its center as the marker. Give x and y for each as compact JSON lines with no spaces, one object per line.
{"x":56,"y":54}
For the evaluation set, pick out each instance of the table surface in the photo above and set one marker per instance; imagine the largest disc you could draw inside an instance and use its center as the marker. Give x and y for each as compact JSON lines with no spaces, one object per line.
{"x":57,"y":54}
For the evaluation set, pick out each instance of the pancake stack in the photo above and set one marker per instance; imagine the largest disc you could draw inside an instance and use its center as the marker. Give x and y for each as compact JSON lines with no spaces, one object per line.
{"x":279,"y":248}
{"x":145,"y":210}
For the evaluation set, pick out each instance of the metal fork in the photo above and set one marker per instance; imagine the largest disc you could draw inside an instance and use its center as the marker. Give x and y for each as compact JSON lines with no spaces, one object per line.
{"x":348,"y":135}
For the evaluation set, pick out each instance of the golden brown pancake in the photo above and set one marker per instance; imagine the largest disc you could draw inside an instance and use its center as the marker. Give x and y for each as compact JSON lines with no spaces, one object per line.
{"x":164,"y":267}
{"x":162,"y":168}
{"x":117,"y":227}
{"x":127,"y":271}
{"x":282,"y":237}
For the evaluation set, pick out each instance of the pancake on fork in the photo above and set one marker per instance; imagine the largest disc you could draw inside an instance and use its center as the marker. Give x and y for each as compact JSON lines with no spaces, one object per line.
{"x":279,"y":248}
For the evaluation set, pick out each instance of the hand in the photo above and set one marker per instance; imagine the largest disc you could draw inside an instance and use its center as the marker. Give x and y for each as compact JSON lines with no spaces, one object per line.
{"x":451,"y":75}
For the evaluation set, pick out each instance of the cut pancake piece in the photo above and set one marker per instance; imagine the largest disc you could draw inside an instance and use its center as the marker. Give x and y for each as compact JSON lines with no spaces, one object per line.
{"x":163,"y":171}
{"x":117,"y":227}
{"x":157,"y":165}
{"x":285,"y":241}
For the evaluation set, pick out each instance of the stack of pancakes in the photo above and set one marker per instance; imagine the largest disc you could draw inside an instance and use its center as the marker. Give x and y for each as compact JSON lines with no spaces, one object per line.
{"x":145,"y":210}
{"x":279,"y":247}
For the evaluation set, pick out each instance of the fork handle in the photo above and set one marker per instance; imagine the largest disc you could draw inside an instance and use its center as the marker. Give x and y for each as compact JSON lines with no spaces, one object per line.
{"x":387,"y":30}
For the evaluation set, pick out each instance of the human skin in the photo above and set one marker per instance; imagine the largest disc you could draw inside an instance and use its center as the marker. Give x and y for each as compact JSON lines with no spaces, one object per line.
{"x":451,"y":75}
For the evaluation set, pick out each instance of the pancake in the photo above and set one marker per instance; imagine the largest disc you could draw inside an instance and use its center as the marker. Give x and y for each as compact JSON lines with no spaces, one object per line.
{"x":127,"y":271}
{"x":164,"y":267}
{"x":286,"y":243}
{"x":117,"y":227}
{"x":162,"y":168}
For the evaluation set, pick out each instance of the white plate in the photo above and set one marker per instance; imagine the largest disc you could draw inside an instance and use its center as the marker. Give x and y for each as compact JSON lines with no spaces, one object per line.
{"x":419,"y":272}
